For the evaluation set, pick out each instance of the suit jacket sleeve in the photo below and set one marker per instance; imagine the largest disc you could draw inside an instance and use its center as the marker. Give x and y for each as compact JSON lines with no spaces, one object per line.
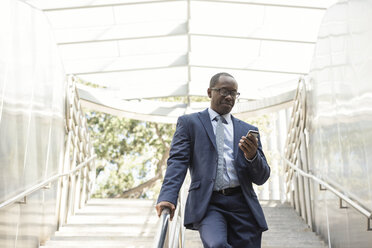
{"x":257,"y":170}
{"x":177,"y":164}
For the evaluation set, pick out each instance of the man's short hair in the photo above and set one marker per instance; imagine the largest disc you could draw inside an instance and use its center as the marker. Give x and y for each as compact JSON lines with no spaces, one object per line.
{"x":214,"y":79}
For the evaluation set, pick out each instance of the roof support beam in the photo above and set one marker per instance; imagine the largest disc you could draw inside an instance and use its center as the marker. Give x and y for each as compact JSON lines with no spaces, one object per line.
{"x":248,"y":69}
{"x":125,"y":70}
{"x":191,"y":66}
{"x":265,"y":3}
{"x":261,"y":3}
{"x":253,"y":38}
{"x":189,"y":36}
{"x":108,"y":5}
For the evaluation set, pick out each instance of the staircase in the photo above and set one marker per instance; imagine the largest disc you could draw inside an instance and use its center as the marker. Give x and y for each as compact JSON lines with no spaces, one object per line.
{"x":287,"y":229}
{"x":127,"y":223}
{"x":132,"y":223}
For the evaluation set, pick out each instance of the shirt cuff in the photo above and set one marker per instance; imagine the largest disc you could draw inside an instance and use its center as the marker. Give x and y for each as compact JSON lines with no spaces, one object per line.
{"x":251,"y":160}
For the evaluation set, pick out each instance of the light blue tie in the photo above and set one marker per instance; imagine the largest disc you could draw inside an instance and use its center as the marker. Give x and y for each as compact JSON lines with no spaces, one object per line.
{"x":220,"y":140}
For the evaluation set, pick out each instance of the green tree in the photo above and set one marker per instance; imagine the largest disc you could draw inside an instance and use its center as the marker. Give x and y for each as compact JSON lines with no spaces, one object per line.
{"x":131,"y":154}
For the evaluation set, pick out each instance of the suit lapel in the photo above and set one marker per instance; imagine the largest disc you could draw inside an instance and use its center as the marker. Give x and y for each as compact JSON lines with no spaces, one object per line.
{"x":206,"y":121}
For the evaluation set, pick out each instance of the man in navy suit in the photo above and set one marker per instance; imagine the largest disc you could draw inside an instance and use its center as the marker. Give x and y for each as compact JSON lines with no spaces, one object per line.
{"x":221,"y":203}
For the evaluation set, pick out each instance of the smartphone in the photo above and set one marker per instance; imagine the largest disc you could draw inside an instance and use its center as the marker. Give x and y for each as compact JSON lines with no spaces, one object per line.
{"x":253,"y":132}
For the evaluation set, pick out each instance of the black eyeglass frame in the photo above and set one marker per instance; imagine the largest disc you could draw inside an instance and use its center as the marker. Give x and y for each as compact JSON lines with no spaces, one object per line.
{"x":230,"y":92}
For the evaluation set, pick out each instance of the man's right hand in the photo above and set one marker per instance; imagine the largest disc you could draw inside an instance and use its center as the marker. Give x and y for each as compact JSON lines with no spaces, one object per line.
{"x":164,"y":204}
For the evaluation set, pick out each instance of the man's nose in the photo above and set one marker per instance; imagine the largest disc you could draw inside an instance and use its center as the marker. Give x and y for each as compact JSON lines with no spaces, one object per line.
{"x":229,"y":97}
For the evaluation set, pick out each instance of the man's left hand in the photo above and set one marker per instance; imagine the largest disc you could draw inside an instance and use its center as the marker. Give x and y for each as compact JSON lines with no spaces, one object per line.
{"x":249,"y":146}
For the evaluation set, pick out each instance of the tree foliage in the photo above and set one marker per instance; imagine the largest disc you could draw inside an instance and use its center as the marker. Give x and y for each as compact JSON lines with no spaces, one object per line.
{"x":131,"y":154}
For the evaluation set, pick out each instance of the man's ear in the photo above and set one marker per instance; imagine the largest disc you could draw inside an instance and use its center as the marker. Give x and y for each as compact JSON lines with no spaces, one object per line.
{"x":209,"y":91}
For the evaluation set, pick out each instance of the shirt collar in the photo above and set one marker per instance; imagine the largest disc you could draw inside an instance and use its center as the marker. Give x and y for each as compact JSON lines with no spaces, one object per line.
{"x":213,"y":114}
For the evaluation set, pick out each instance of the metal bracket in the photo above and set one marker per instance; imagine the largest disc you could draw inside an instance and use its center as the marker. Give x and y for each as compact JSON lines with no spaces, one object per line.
{"x":24,"y":201}
{"x":321,"y":188}
{"x":369,"y":227}
{"x":48,"y":186}
{"x":341,"y":205}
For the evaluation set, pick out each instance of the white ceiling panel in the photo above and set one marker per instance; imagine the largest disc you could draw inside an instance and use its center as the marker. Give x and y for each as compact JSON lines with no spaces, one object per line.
{"x":127,"y":63}
{"x":148,"y":12}
{"x":163,"y":45}
{"x":251,"y":54}
{"x":146,"y":80}
{"x":106,"y":49}
{"x":225,"y":18}
{"x":121,"y":32}
{"x":82,"y":18}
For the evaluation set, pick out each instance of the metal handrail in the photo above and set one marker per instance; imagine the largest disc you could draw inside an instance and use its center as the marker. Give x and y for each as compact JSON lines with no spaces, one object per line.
{"x":44,"y":183}
{"x":161,"y":236}
{"x":175,"y":231}
{"x":355,"y":204}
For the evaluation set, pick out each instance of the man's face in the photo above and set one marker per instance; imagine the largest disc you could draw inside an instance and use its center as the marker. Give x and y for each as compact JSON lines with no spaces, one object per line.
{"x":223,"y":104}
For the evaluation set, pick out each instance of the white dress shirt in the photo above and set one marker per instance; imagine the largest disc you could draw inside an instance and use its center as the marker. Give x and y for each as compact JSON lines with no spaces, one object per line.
{"x":230,"y":177}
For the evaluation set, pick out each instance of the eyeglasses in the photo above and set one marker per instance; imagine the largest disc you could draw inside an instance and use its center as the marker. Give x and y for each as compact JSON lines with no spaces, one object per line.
{"x":224,"y":92}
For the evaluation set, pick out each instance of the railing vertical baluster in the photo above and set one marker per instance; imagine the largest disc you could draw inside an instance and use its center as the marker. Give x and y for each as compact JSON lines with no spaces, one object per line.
{"x":66,"y":176}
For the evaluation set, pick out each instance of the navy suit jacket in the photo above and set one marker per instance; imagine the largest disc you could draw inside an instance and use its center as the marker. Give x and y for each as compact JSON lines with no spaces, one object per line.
{"x":194,"y":147}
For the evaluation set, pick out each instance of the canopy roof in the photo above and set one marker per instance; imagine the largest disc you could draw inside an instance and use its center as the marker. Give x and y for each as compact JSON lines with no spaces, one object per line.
{"x":137,"y":51}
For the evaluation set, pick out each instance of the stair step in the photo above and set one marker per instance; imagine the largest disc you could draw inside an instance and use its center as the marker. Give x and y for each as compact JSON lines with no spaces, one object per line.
{"x":95,"y":233}
{"x":294,"y":246}
{"x":97,"y":244}
{"x":121,"y":202}
{"x":100,"y":230}
{"x":108,"y":241}
{"x":94,"y":239}
{"x":133,"y":245}
{"x":193,"y":244}
{"x":113,"y":219}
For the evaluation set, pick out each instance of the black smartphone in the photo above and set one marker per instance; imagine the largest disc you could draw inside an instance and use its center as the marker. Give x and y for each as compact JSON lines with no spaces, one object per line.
{"x":253,"y":132}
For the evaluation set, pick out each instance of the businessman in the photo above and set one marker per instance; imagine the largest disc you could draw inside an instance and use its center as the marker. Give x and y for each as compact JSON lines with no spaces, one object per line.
{"x":223,"y":164}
